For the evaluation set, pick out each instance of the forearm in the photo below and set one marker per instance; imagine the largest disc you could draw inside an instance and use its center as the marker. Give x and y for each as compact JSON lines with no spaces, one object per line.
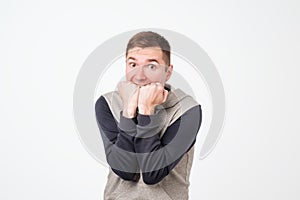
{"x":118,"y":141}
{"x":158,"y":156}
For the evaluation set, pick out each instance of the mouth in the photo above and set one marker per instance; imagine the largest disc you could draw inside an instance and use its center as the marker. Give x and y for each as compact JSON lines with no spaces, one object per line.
{"x":140,"y":83}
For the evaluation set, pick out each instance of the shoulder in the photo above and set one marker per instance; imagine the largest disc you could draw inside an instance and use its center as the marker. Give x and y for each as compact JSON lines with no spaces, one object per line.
{"x":107,"y":98}
{"x":101,"y":104}
{"x":179,"y":102}
{"x":111,"y":103}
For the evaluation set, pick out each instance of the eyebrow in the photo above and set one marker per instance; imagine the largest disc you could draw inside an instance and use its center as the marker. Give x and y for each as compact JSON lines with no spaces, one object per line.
{"x":149,"y":60}
{"x":152,"y":60}
{"x":131,"y":58}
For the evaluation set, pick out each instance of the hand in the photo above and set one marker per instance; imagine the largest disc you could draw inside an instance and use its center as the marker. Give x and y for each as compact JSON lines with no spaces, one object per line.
{"x":129,"y":93}
{"x":149,"y":96}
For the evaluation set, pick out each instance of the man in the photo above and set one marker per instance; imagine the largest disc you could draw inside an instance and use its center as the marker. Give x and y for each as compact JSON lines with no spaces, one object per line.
{"x":148,"y":128}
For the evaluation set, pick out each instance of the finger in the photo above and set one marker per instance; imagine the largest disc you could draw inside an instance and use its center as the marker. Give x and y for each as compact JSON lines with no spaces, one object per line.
{"x":119,"y":86}
{"x":137,"y":92}
{"x":120,"y":83}
{"x":165,"y":95}
{"x":154,"y":83}
{"x":131,"y":83}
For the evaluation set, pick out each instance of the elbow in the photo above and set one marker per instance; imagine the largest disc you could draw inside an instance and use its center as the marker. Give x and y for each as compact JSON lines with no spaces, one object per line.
{"x":126,"y":175}
{"x":151,"y":179}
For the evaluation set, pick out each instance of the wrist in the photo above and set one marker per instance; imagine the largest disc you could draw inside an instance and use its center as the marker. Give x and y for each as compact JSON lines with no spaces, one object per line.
{"x":146,"y":110}
{"x":129,"y":112}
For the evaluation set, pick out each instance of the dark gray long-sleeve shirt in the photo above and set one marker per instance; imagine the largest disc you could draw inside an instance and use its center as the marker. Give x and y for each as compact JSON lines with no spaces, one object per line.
{"x":141,"y":135}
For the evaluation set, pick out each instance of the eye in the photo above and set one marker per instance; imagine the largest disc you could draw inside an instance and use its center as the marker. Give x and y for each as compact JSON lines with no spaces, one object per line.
{"x":132,"y":64}
{"x":152,"y":67}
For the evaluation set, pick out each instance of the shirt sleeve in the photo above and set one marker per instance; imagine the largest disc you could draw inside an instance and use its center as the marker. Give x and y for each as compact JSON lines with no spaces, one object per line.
{"x":118,"y":141}
{"x":158,"y":156}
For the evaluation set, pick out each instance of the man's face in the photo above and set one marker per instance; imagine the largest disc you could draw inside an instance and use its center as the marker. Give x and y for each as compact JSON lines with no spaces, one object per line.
{"x":146,"y":65}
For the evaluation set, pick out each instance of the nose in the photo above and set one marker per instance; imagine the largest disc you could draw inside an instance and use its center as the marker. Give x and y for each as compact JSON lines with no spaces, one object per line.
{"x":140,"y":74}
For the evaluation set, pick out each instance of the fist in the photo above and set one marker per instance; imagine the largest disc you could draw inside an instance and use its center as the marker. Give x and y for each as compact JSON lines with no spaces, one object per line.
{"x":129,"y":93}
{"x":151,"y":95}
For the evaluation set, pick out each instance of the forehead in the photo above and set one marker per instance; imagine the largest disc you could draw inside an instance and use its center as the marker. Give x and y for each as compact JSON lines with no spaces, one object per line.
{"x":138,"y":53}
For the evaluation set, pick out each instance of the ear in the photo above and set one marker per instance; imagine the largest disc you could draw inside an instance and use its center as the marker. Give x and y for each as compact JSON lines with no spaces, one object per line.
{"x":169,"y":72}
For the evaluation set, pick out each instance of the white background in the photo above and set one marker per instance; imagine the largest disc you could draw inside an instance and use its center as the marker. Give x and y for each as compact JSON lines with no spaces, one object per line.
{"x":254,"y":44}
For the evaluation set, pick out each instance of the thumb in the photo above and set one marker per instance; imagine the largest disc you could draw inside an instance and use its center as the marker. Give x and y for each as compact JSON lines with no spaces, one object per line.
{"x":165,"y":95}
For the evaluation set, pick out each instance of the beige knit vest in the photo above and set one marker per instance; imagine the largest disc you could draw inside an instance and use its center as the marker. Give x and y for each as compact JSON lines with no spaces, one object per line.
{"x":175,"y":185}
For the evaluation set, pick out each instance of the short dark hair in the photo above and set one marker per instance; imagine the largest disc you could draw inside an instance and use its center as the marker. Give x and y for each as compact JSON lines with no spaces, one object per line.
{"x":150,"y":39}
